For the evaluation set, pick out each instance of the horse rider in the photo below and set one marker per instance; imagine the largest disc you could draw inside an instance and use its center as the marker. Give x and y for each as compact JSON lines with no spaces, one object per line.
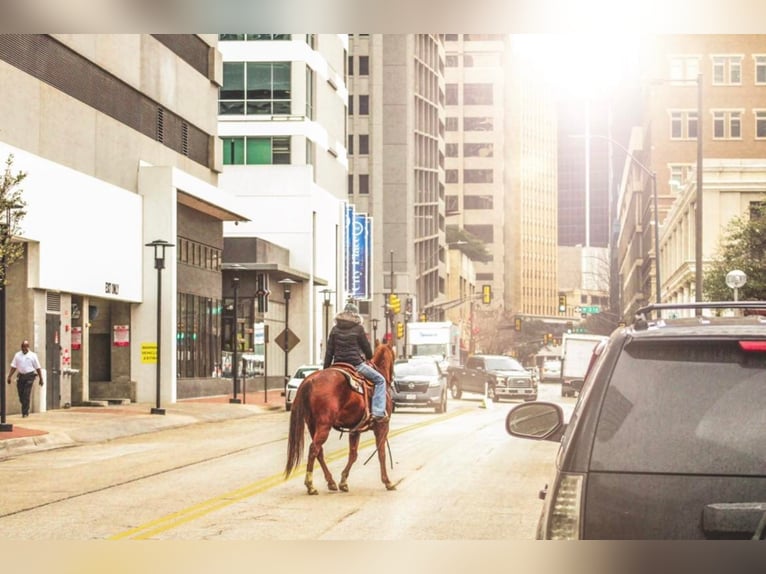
{"x":347,"y":343}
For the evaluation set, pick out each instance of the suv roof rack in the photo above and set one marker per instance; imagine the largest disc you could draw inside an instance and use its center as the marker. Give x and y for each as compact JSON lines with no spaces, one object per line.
{"x":643,"y":314}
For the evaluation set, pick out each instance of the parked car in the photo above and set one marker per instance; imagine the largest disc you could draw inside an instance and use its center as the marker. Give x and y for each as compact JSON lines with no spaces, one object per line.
{"x":420,"y":383}
{"x":500,"y":376}
{"x":292,"y":385}
{"x":551,"y":370}
{"x":666,"y":439}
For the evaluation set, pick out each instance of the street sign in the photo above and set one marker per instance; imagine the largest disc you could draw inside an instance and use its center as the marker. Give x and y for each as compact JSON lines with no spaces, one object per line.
{"x":590,"y":309}
{"x":287,"y":340}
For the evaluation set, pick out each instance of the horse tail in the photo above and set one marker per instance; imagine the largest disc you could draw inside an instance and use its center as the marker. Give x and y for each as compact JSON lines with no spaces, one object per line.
{"x":296,"y":434}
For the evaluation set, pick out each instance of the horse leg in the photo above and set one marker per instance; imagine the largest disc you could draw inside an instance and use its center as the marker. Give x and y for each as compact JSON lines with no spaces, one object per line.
{"x":327,"y":474}
{"x":353,"y":452}
{"x":381,"y":434}
{"x":318,"y":438}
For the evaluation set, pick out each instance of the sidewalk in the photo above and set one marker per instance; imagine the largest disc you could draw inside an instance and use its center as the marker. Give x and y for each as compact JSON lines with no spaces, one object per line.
{"x":79,"y":425}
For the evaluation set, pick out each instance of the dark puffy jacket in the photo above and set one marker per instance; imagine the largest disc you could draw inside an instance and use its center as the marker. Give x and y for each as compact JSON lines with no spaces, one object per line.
{"x":347,"y":343}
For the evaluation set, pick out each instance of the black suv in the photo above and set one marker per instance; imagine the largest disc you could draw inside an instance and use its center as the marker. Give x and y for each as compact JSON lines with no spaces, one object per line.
{"x":668,"y":437}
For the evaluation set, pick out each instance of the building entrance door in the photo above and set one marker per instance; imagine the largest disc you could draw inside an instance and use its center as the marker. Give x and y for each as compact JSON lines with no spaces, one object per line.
{"x":52,"y":361}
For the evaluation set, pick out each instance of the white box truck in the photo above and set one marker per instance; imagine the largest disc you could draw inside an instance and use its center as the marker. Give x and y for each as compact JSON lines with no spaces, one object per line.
{"x":439,"y":340}
{"x":577,"y":350}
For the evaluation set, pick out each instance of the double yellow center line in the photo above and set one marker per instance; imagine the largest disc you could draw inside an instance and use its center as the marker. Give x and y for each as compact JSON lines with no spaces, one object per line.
{"x":176,"y":519}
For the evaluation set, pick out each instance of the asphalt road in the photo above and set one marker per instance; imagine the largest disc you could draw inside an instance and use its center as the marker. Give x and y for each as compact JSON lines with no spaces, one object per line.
{"x":459,"y":476}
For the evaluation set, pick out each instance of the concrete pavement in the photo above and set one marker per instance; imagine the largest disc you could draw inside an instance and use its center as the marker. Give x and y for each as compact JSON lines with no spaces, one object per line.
{"x":91,"y":424}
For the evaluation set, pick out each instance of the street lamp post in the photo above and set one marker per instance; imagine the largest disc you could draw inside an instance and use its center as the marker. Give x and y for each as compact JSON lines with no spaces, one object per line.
{"x":7,"y":233}
{"x":235,"y":343}
{"x":698,"y":213}
{"x":159,"y":246}
{"x":653,"y":176}
{"x":374,"y":331}
{"x":327,"y":293}
{"x":734,"y":280}
{"x":287,"y":284}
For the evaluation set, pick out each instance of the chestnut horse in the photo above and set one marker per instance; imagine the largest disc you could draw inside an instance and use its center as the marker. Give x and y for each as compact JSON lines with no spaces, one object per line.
{"x":325,"y":400}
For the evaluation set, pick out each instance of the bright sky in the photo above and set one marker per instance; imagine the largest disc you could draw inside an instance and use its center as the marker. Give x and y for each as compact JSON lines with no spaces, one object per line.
{"x":580,"y":64}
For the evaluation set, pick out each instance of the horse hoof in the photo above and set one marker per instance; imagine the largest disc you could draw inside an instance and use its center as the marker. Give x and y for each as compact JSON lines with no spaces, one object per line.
{"x":344,"y":487}
{"x":332,"y":486}
{"x":390,"y":486}
{"x":313,"y":491}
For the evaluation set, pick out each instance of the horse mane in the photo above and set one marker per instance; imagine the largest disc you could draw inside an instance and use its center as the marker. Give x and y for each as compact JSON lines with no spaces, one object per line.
{"x":383,"y":357}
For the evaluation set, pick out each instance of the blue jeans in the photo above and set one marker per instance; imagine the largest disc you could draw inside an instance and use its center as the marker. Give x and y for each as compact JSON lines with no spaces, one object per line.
{"x":379,"y":396}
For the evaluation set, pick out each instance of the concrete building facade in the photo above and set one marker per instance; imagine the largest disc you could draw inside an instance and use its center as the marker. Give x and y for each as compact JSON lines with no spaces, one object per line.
{"x":116,"y":157}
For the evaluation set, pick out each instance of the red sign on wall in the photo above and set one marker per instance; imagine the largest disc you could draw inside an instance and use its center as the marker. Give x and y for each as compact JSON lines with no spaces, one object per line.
{"x":121,"y":336}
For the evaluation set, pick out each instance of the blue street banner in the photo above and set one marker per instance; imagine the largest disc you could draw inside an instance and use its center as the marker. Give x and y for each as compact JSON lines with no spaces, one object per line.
{"x":358,"y":255}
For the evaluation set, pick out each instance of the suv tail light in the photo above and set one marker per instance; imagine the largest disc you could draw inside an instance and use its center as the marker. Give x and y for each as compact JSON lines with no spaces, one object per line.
{"x":754,"y":346}
{"x":565,"y":507}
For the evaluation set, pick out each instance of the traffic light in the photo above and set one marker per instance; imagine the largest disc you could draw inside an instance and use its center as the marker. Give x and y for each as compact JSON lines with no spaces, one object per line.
{"x":517,"y":324}
{"x":394,"y":303}
{"x":562,"y":303}
{"x":399,"y":330}
{"x":408,"y":308}
{"x":486,"y":294}
{"x":569,"y":326}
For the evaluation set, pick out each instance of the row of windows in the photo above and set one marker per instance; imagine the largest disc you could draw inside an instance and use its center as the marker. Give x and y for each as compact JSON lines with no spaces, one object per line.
{"x":727,"y":124}
{"x":452,"y":202}
{"x":473,"y":94}
{"x":255,"y":88}
{"x":362,"y":186}
{"x":473,"y":60}
{"x":470,"y":124}
{"x":726,"y":69}
{"x":475,"y":37}
{"x":253,"y":37}
{"x":470,"y":150}
{"x":364,"y":144}
{"x":364,"y":66}
{"x":364,"y":104}
{"x":256,"y":150}
{"x":469,"y":176}
{"x":198,"y":254}
{"x":198,"y":335}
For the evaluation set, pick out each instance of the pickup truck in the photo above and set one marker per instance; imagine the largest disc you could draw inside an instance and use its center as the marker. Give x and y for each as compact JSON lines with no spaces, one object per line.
{"x":500,"y":376}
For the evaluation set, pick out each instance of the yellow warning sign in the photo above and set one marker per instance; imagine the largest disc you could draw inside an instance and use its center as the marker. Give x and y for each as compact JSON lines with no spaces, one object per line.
{"x":148,"y":352}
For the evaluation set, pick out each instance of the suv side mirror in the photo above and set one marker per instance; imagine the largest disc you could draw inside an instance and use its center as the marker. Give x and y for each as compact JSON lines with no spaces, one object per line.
{"x":536,"y":420}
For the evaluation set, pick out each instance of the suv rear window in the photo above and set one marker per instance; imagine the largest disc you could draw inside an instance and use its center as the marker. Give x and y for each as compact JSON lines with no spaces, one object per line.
{"x":698,"y":406}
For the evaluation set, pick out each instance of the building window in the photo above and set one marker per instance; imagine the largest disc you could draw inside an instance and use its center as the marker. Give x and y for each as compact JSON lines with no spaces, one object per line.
{"x":253,"y":37}
{"x":760,"y":69}
{"x":478,"y":150}
{"x":451,"y":150}
{"x":485,"y":276}
{"x":679,"y":173}
{"x":727,"y":124}
{"x":727,"y":70}
{"x":364,"y":65}
{"x":451,"y":61}
{"x":760,"y":124}
{"x":256,"y":151}
{"x":451,"y":37}
{"x":350,"y":184}
{"x":450,"y":176}
{"x":364,"y":184}
{"x":476,"y":124}
{"x":364,"y":144}
{"x":683,"y":124}
{"x":452,"y":204}
{"x":351,"y":104}
{"x":481,"y":60}
{"x":477,"y":202}
{"x":684,"y":68}
{"x":350,"y":144}
{"x":450,"y":93}
{"x":351,"y":65}
{"x":198,"y":339}
{"x":478,"y":94}
{"x":255,"y":88}
{"x":364,"y":105}
{"x":451,"y":124}
{"x":478,"y":176}
{"x":483,"y":232}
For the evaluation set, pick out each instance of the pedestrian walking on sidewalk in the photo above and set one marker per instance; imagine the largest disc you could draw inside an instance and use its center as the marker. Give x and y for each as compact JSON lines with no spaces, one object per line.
{"x":26,"y":363}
